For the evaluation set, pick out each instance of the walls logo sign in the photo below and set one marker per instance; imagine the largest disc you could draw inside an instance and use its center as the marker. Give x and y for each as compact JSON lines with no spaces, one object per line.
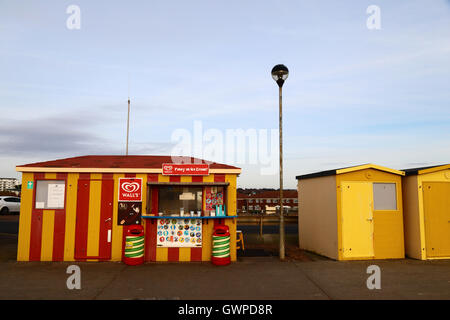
{"x":130,"y":189}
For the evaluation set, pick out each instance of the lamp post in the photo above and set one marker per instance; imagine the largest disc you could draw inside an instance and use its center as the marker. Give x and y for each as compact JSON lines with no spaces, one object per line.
{"x":280,"y":73}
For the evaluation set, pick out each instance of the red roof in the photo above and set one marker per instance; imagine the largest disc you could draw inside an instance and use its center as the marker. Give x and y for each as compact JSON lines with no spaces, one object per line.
{"x":150,"y":162}
{"x":242,"y":195}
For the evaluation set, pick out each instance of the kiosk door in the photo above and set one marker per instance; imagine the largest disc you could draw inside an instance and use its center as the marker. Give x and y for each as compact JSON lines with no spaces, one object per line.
{"x":94,"y":219}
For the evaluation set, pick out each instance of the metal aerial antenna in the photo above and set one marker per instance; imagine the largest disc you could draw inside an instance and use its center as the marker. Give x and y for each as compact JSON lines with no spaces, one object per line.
{"x":128,"y":119}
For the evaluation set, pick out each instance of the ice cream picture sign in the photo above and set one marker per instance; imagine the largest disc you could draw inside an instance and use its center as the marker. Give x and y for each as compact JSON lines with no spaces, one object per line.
{"x":130,"y":201}
{"x":185,"y":169}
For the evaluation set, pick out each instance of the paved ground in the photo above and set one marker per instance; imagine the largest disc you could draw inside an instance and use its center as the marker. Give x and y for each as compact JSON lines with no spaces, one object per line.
{"x":249,"y":278}
{"x":302,"y":276}
{"x":9,"y":223}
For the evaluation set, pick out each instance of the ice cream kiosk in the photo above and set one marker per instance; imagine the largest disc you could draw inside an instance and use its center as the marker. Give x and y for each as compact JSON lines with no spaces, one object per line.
{"x":79,"y":209}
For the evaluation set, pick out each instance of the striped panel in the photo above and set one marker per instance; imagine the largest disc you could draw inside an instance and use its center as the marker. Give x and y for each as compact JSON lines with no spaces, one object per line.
{"x":70,"y":219}
{"x":59,"y":236}
{"x":36,"y":225}
{"x":231,"y":205}
{"x":23,"y":245}
{"x":50,"y":235}
{"x":196,"y":253}
{"x":162,"y":254}
{"x":47,"y":227}
{"x":117,"y":230}
{"x":173,"y":254}
{"x":231,"y":223}
{"x":60,"y":225}
{"x":144,"y":225}
{"x":151,"y":224}
{"x":82,"y":223}
{"x":154,"y":208}
{"x":153,"y":195}
{"x":231,"y":194}
{"x":185,"y":253}
{"x":209,"y":178}
{"x":95,"y":193}
{"x":150,"y":239}
{"x":36,"y":236}
{"x":107,"y":199}
{"x":48,"y":221}
{"x":144,"y":206}
{"x":144,"y":193}
{"x":219,"y":178}
{"x":207,"y":230}
{"x":94,"y":217}
{"x":48,"y":224}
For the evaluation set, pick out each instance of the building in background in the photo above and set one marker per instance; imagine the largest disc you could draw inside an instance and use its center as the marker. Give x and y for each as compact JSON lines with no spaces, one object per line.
{"x":8,"y":184}
{"x":263,"y":201}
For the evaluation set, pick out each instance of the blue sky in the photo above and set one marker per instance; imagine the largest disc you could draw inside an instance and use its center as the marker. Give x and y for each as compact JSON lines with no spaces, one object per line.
{"x":353,"y":95}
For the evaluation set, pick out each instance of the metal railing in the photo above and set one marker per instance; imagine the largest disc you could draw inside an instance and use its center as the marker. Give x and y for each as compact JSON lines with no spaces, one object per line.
{"x":263,"y":219}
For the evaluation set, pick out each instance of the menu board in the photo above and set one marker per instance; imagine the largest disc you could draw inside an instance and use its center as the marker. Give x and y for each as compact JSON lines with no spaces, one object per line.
{"x":179,"y":233}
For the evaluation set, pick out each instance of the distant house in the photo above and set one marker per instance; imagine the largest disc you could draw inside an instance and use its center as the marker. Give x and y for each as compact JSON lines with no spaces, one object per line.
{"x":266,"y":201}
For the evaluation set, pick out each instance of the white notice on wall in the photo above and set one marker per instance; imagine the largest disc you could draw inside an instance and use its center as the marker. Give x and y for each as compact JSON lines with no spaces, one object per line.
{"x":40,"y":205}
{"x":55,"y":198}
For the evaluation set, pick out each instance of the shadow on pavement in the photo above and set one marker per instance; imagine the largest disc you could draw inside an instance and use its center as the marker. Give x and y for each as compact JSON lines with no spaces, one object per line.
{"x":8,"y":247}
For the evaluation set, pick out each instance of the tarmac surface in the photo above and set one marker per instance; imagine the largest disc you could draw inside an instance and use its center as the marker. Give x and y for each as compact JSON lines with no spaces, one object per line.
{"x":249,"y":278}
{"x":302,"y":276}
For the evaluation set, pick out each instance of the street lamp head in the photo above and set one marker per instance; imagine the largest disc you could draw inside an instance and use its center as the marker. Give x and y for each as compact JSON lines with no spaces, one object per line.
{"x":280,"y":73}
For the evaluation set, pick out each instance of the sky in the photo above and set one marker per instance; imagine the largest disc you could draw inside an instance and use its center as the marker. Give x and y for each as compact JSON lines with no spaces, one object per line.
{"x":354,"y":95}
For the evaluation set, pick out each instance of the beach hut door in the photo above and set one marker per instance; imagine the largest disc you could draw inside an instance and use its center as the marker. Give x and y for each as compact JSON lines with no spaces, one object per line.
{"x":357,"y":219}
{"x":436,"y":201}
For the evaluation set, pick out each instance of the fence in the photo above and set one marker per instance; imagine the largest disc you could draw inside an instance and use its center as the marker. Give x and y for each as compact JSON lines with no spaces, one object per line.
{"x":262,"y":220}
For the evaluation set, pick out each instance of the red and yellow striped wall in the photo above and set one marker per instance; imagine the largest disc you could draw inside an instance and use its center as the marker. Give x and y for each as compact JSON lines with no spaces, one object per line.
{"x":79,"y":232}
